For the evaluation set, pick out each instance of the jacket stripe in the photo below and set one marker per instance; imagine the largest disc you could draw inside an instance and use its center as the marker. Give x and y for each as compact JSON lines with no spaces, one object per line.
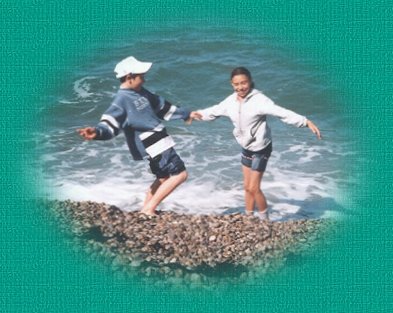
{"x":154,"y":138}
{"x":106,"y":125}
{"x":166,"y":106}
{"x":160,"y":146}
{"x":156,"y":129}
{"x":111,"y":120}
{"x":168,"y":115}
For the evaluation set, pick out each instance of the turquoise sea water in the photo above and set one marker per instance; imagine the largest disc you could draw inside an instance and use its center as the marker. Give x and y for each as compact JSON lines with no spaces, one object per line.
{"x":305,"y":177}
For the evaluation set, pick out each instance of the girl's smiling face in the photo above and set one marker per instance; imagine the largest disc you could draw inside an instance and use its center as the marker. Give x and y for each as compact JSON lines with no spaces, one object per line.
{"x":241,"y":85}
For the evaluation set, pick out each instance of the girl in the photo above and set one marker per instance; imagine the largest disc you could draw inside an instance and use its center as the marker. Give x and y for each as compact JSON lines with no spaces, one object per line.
{"x":247,"y":108}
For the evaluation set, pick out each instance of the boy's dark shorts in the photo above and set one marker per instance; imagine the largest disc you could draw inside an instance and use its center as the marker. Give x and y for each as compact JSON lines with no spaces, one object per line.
{"x":257,"y":161}
{"x":167,"y":164}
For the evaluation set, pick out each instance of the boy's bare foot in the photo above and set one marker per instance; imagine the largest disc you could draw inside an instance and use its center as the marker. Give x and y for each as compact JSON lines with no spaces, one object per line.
{"x":148,"y":213}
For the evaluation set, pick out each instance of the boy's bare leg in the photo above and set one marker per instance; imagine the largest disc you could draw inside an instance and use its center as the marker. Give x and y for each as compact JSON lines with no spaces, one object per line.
{"x":166,"y":186}
{"x":153,"y":188}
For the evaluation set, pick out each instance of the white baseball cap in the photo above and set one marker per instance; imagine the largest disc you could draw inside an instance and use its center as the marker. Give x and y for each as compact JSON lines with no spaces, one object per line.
{"x":131,"y":65}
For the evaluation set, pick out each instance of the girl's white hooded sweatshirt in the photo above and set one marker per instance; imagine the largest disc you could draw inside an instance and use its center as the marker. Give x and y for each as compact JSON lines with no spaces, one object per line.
{"x":249,"y":118}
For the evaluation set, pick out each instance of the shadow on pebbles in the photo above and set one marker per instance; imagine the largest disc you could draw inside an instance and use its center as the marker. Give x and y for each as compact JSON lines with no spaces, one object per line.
{"x":178,"y":249}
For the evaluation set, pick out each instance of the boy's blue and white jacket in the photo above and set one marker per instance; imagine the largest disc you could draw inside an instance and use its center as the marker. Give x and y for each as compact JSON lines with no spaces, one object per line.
{"x":139,"y":115}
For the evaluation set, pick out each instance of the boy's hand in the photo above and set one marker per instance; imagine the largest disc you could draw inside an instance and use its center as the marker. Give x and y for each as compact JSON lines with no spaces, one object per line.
{"x":194,"y":115}
{"x":88,"y":133}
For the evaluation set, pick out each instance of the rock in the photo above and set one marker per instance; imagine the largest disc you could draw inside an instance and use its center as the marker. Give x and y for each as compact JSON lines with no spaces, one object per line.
{"x":135,"y":263}
{"x":195,"y":278}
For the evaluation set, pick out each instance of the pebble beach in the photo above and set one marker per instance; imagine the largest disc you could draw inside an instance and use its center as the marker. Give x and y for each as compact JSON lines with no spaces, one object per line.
{"x":195,"y":249}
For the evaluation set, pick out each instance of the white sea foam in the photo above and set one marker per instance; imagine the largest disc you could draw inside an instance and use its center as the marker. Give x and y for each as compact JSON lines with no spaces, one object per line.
{"x":82,"y":87}
{"x":104,"y":172}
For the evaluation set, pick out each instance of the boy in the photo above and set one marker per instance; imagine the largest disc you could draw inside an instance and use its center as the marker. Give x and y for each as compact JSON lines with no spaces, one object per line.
{"x":138,"y":113}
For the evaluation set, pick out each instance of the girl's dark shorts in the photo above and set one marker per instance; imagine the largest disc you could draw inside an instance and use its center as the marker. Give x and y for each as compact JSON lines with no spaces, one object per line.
{"x":166,"y":164}
{"x":257,"y":161}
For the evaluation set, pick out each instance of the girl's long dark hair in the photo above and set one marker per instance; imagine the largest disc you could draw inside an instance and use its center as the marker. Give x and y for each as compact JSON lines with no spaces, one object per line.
{"x":243,"y":71}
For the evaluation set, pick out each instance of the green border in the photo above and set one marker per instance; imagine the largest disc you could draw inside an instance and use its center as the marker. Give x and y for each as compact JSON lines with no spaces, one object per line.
{"x":42,"y":41}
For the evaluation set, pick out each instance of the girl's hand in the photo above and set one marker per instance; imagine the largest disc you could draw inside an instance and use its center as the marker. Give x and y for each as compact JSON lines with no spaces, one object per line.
{"x":314,"y":129}
{"x":194,"y":115}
